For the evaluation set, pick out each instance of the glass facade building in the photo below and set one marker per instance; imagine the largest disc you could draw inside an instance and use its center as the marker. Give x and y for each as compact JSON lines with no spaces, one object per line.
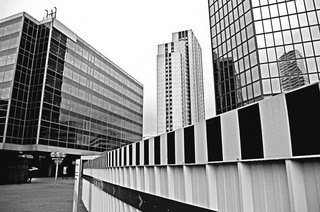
{"x":59,"y":92}
{"x":250,"y":39}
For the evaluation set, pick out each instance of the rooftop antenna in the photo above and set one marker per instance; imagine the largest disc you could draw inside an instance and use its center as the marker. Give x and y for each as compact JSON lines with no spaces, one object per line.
{"x":52,"y":14}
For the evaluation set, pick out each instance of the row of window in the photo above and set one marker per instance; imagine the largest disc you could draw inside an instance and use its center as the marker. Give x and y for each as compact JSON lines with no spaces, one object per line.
{"x":94,"y":99}
{"x":102,"y":65}
{"x":83,"y":66}
{"x":10,"y":29}
{"x":308,"y":49}
{"x":277,"y":10}
{"x":235,"y":7}
{"x":8,"y":59}
{"x":90,"y":126}
{"x":289,"y":36}
{"x":302,"y":5}
{"x":101,"y":103}
{"x":9,"y":43}
{"x":286,"y":22}
{"x":5,"y":93}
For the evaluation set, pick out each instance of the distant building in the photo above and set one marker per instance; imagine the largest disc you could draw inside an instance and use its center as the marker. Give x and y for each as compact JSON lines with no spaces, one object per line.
{"x":292,"y":71}
{"x":255,"y":34}
{"x":180,"y":93}
{"x":60,"y":94}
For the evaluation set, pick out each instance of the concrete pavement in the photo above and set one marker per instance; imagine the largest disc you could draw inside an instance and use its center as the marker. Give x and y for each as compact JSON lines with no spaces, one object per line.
{"x":38,"y":196}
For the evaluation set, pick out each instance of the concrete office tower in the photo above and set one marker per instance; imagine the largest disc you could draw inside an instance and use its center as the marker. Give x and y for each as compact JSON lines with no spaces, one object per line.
{"x":180,"y":93}
{"x":255,"y":34}
{"x":58,"y":93}
{"x":292,"y":71}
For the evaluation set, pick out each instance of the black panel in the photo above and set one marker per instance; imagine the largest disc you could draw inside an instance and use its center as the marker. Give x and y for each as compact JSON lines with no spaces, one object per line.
{"x":189,"y":148}
{"x":304,"y":115}
{"x":143,"y":201}
{"x":112,"y":158}
{"x":130,"y":155}
{"x":214,"y":139}
{"x":157,"y":150}
{"x":146,"y":152}
{"x":120,"y":158}
{"x":250,"y":132}
{"x":109,"y":160}
{"x":116,"y":158}
{"x":171,"y":148}
{"x":137,"y":153}
{"x":125,"y":156}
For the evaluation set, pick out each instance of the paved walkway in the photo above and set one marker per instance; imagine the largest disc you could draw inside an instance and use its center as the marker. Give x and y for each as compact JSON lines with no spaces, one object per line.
{"x":38,"y":196}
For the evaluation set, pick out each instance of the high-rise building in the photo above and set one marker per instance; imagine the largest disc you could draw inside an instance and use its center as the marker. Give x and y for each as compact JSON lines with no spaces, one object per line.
{"x":292,"y":71}
{"x":180,"y":93}
{"x":58,"y":93}
{"x":255,"y":34}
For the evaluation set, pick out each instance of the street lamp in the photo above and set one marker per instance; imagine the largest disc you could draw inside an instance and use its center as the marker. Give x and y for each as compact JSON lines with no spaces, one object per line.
{"x":58,"y":158}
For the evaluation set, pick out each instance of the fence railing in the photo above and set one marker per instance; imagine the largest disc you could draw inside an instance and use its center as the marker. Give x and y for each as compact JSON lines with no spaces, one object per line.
{"x":262,"y":157}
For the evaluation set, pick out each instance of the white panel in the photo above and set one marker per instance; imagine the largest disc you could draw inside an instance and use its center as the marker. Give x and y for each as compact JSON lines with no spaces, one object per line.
{"x":245,"y":187}
{"x":188,"y":183}
{"x":297,"y":187}
{"x":85,"y":193}
{"x":134,"y":157}
{"x":133,"y":180}
{"x":179,"y":146}
{"x":201,"y":142}
{"x":275,"y":127}
{"x":163,"y":181}
{"x":171,"y":183}
{"x":230,"y":136}
{"x":150,"y":180}
{"x":228,"y":188}
{"x":140,"y":178}
{"x":200,"y":193}
{"x":121,"y":180}
{"x":117,"y":175}
{"x":157,"y":180}
{"x":270,"y":186}
{"x":311,"y":171}
{"x":163,"y":150}
{"x":212,"y":186}
{"x":86,"y":171}
{"x":179,"y":188}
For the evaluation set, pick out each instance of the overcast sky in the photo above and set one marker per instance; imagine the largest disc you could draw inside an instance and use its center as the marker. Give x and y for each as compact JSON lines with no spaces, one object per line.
{"x":128,"y":33}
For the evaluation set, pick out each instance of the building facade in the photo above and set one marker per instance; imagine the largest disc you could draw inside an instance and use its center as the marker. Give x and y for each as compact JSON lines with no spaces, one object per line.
{"x":253,"y":35}
{"x":59,"y":93}
{"x":180,"y":93}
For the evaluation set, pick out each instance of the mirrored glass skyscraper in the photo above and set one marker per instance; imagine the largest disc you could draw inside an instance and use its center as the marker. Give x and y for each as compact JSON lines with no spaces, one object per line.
{"x":252,"y":41}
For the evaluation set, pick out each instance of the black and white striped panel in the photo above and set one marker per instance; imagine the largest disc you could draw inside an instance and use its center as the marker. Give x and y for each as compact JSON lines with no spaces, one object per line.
{"x":283,"y":126}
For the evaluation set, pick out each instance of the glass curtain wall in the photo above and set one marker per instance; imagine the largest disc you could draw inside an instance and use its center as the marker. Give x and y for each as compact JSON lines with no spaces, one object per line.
{"x":248,"y":39}
{"x":87,"y":104}
{"x":9,"y":46}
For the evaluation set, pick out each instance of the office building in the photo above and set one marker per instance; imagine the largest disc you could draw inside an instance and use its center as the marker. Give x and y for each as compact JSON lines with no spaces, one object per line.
{"x":255,"y":34}
{"x":180,"y":93}
{"x":58,"y":93}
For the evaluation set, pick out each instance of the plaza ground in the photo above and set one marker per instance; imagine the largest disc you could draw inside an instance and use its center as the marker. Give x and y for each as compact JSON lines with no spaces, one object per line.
{"x":39,"y":196}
